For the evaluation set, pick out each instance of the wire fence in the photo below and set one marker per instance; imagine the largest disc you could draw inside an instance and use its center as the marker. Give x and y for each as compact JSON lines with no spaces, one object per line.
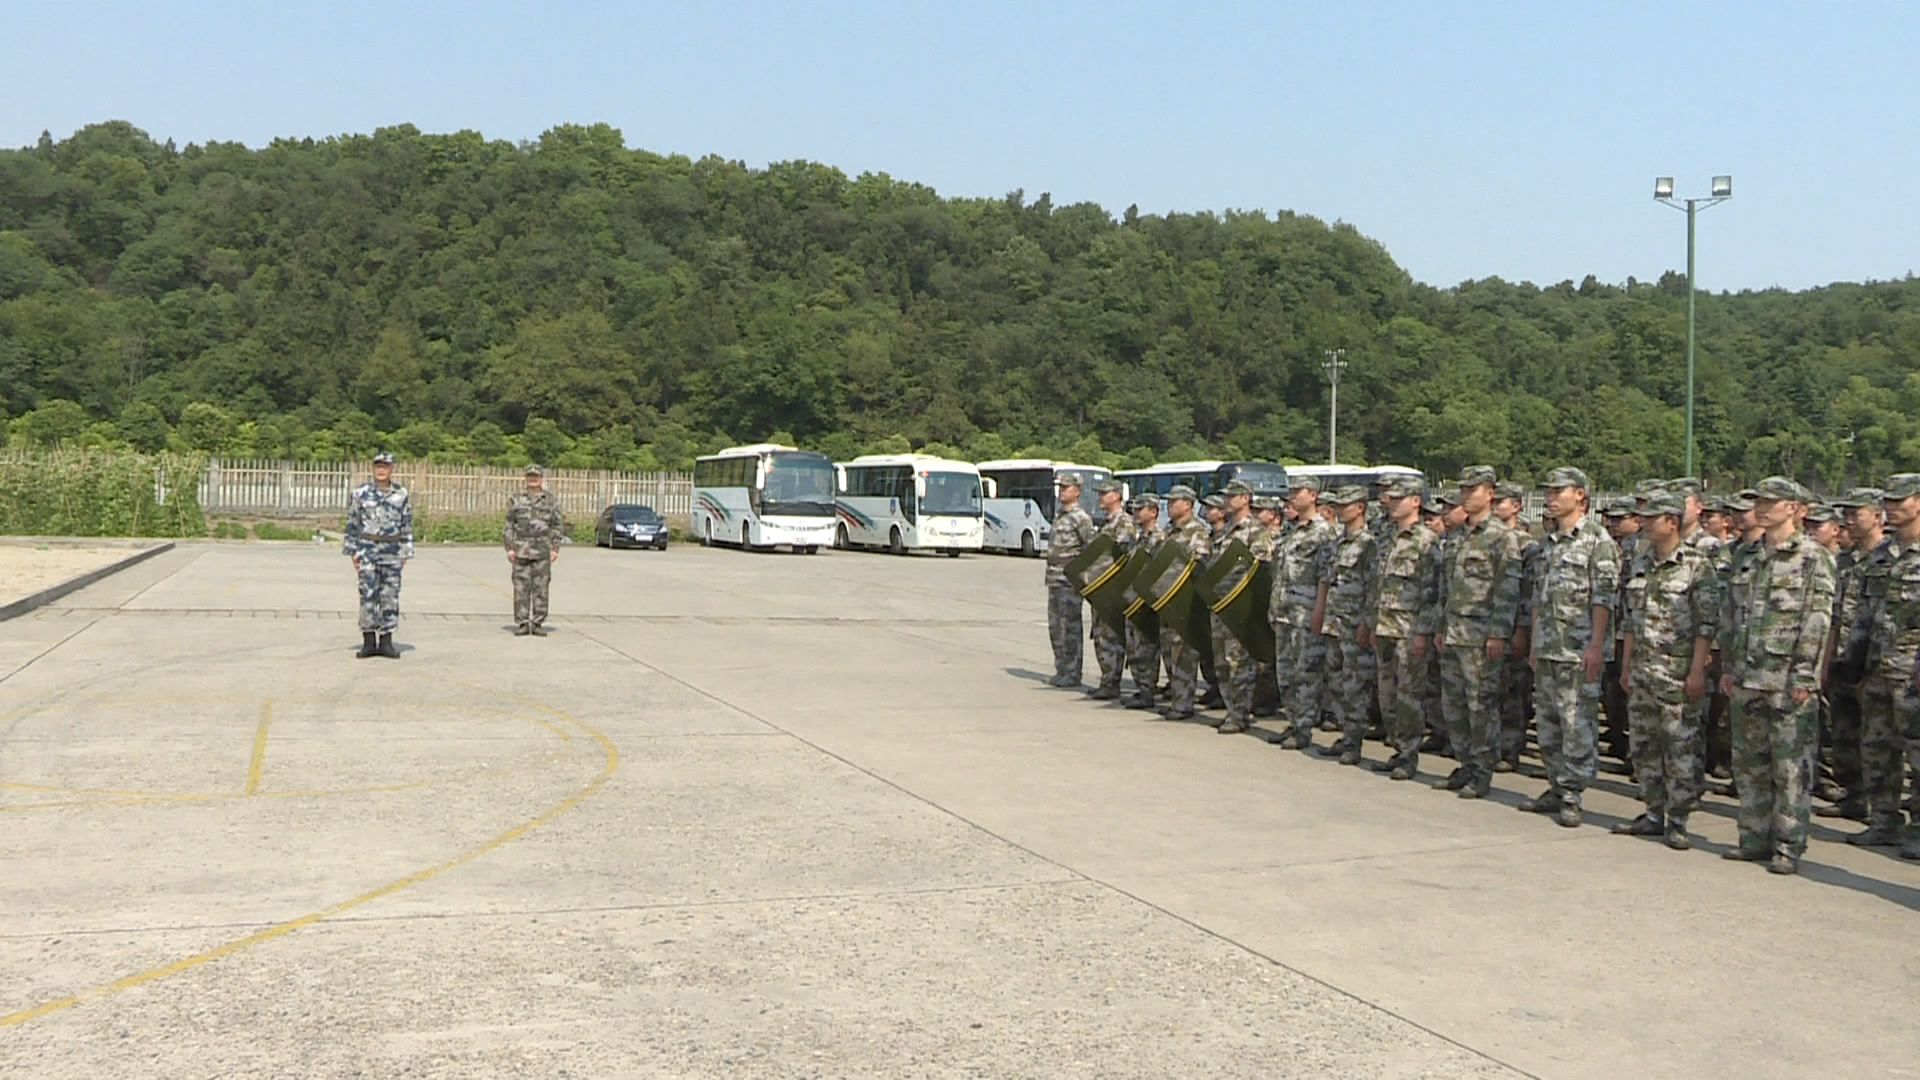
{"x":314,"y":488}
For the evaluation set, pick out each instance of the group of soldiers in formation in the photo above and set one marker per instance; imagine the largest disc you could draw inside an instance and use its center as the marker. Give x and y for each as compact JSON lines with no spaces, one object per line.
{"x":1768,"y":631}
{"x":379,"y":539}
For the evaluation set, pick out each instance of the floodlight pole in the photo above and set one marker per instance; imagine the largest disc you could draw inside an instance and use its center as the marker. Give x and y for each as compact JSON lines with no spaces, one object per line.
{"x":1691,"y":209}
{"x":1336,"y":362}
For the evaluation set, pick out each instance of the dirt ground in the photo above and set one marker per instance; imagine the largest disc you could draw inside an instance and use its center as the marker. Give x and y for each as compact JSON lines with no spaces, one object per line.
{"x":26,"y":569}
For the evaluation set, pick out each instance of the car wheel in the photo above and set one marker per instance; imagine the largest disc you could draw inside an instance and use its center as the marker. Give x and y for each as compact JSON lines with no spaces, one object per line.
{"x":1026,"y":544}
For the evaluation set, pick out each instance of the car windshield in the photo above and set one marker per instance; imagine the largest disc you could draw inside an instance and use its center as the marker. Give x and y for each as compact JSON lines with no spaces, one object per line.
{"x":798,"y":483}
{"x":641,"y":514}
{"x":952,"y":493}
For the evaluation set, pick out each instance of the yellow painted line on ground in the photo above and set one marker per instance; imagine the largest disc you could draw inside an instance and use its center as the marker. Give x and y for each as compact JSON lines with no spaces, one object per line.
{"x":609,"y":766}
{"x":259,"y":760}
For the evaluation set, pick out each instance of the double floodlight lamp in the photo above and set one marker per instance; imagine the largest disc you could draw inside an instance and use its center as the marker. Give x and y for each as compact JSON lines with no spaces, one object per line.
{"x":1721,"y":188}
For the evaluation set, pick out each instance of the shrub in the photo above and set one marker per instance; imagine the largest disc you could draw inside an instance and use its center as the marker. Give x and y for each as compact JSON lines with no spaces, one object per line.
{"x":101,"y":493}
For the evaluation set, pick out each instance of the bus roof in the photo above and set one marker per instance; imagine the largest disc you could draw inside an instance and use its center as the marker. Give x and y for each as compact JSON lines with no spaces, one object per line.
{"x":750,"y":450}
{"x":915,"y":461}
{"x":1177,"y":466}
{"x":1038,"y":463}
{"x":1359,"y":470}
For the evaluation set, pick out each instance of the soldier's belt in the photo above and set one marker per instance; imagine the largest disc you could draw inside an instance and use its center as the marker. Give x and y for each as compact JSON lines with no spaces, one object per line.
{"x":396,"y":539}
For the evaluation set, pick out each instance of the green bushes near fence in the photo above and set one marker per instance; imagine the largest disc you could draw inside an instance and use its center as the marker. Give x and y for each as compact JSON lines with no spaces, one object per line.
{"x":100,"y":493}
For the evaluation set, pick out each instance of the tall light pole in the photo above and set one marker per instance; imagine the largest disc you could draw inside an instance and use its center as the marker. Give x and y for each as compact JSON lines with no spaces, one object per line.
{"x":1720,"y":192}
{"x":1336,"y":362}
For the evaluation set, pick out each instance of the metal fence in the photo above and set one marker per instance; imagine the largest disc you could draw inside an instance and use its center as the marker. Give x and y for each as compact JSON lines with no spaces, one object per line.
{"x":303,"y":488}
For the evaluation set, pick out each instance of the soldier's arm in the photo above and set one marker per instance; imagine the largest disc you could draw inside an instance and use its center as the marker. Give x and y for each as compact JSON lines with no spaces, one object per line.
{"x":350,"y":536}
{"x":1505,"y":602}
{"x":506,"y":529}
{"x":1426,"y":618}
{"x":1605,"y":570}
{"x":1816,"y":620}
{"x":406,"y":527}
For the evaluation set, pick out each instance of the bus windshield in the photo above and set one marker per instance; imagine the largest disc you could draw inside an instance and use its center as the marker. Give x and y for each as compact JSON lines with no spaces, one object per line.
{"x":1266,"y":479}
{"x":952,"y":493}
{"x":798,"y":483}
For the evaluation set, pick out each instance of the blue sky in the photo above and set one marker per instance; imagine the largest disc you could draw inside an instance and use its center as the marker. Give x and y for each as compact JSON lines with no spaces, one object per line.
{"x":1473,"y":140}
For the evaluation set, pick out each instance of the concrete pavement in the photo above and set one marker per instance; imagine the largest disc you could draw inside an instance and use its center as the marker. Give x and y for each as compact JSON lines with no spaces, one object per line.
{"x":775,"y":815}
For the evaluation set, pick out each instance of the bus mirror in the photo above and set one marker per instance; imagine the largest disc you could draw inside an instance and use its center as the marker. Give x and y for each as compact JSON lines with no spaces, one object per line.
{"x":840,"y":479}
{"x":920,"y":486}
{"x":990,"y":486}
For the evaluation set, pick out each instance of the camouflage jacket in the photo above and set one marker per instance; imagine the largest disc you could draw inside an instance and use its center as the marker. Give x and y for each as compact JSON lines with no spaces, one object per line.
{"x":1579,"y":571}
{"x":1889,"y":615}
{"x":1480,"y":587}
{"x":1072,"y":531}
{"x":1194,"y":535}
{"x":1263,"y":542}
{"x":1671,"y":602}
{"x":379,"y":522}
{"x":1246,"y":530}
{"x":1124,"y":530}
{"x":1530,"y":550}
{"x":1346,"y":572}
{"x":1774,"y":620}
{"x":534,"y":525}
{"x":1296,"y":571}
{"x":1404,"y":600}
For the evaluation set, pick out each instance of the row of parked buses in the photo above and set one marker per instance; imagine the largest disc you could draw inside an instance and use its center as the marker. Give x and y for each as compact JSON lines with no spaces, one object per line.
{"x":766,"y":495}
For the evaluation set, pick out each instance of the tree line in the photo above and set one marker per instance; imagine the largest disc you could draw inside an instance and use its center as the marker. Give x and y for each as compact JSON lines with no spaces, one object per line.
{"x":577,"y":302}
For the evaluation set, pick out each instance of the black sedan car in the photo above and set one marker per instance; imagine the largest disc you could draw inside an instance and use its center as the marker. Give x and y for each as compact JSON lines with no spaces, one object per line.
{"x":630,"y":526}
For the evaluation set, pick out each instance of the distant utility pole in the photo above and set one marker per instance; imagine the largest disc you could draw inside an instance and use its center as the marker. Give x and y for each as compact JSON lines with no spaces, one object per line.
{"x":1336,"y":363}
{"x":1722,"y":190}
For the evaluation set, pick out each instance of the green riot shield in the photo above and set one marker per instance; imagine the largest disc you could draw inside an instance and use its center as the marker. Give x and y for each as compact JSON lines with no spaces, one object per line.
{"x":1105,"y":587}
{"x":1100,"y":557}
{"x":1167,"y":585}
{"x":1134,"y":606}
{"x":1237,"y":586}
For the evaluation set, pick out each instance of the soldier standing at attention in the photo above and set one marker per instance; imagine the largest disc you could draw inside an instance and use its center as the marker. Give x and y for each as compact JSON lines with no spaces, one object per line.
{"x":1215,"y":512}
{"x":532,"y":535}
{"x":1888,"y":628}
{"x":1143,"y":649}
{"x":1672,"y":604}
{"x":1733,"y":555}
{"x":1300,"y":653}
{"x":379,"y":538}
{"x":1340,"y":615}
{"x":1109,"y":644}
{"x":1072,"y":531}
{"x":1481,"y":595}
{"x":1516,"y":673}
{"x":1232,"y":663}
{"x":1183,"y":656}
{"x":1623,"y":524}
{"x":1573,"y":605}
{"x":1847,"y":665}
{"x":1404,"y":615}
{"x":1270,"y":512}
{"x":1443,"y":519}
{"x":1773,"y":646}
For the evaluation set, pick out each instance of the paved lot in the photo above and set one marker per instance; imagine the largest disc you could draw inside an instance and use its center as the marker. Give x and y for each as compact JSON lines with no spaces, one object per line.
{"x":771,"y":816}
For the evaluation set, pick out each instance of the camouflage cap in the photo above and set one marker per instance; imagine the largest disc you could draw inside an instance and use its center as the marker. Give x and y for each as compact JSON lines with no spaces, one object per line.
{"x":1215,"y":501}
{"x":1648,"y":487}
{"x":1659,"y":504}
{"x":1446,"y":497}
{"x":1860,"y":496}
{"x":1740,"y":503}
{"x":1566,"y":476}
{"x":1780,"y":489}
{"x":1619,"y":507}
{"x":384,"y":457}
{"x":1507,"y":489}
{"x":1345,"y":495}
{"x":1142,"y":502}
{"x":1105,"y":486}
{"x":535,"y":470}
{"x":1069,"y":479}
{"x":1821,"y":513}
{"x":1904,"y":485}
{"x":1403,"y":487}
{"x":1267,"y":502}
{"x":1304,"y":483}
{"x":1683,"y":486}
{"x":1475,"y":475}
{"x":1237,"y":487}
{"x":1713,"y":504}
{"x":1181,"y":491}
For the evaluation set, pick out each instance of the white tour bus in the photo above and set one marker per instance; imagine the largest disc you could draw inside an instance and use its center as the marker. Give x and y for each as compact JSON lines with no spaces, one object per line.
{"x":1019,"y":505}
{"x":906,"y":502}
{"x":1205,"y":477}
{"x":1333,"y":476}
{"x":764,"y":495}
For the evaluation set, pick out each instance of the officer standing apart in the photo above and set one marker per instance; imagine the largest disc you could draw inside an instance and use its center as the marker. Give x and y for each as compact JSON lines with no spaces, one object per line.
{"x":1773,"y":643}
{"x":533,"y":532}
{"x":1673,"y":602}
{"x":1573,"y":604}
{"x":1072,"y":532}
{"x":1888,"y":624}
{"x":1109,"y":644}
{"x":1481,"y":598}
{"x":379,"y":538}
{"x":1183,"y":656}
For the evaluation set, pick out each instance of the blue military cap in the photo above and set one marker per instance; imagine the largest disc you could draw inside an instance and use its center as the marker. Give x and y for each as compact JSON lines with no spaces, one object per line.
{"x":384,"y":457}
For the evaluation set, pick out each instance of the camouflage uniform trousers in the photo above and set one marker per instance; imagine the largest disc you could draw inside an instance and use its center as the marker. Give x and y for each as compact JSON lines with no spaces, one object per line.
{"x":1612,"y":707}
{"x":1566,"y":712}
{"x":1301,"y":657}
{"x":1890,"y":731}
{"x":1667,"y":735}
{"x":1066,"y":630}
{"x":1234,"y":665}
{"x":1183,"y":669}
{"x":532,"y":579}
{"x":1110,"y":651}
{"x":1432,"y":714}
{"x":1516,"y":694}
{"x":1402,"y":686}
{"x":1845,"y":736}
{"x":379,"y":578}
{"x":1354,"y":690}
{"x":1467,"y":686}
{"x":1773,"y":745}
{"x":1143,"y":656}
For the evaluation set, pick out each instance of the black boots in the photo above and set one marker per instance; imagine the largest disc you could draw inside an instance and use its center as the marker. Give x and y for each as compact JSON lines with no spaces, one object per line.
{"x":387,"y":648}
{"x":369,"y":646}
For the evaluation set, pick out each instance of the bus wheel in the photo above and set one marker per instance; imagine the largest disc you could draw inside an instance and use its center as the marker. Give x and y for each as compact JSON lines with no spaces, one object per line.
{"x":953,"y":554}
{"x":840,"y":538}
{"x":894,"y":544}
{"x":704,"y":528}
{"x":1026,"y":544}
{"x":813,"y":549}
{"x":744,"y":534}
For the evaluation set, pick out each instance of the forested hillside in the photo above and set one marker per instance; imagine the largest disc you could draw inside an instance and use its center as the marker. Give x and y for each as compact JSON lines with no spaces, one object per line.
{"x":591,"y":304}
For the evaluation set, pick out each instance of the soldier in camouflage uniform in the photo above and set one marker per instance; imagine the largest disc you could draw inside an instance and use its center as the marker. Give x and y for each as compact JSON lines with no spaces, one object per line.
{"x":1214,"y":513}
{"x":1623,"y":525}
{"x":1516,"y":673}
{"x":1072,"y":531}
{"x":1886,"y":633}
{"x":1673,"y":602}
{"x":1183,"y":657}
{"x":379,"y":538}
{"x":532,"y":535}
{"x":1480,"y":597}
{"x":1773,"y":644}
{"x":1109,"y":644}
{"x":1231,"y":661}
{"x":1846,"y":664}
{"x":1734,"y":554}
{"x":1300,"y":652}
{"x":1443,"y":520}
{"x":1143,"y":649}
{"x":1270,"y":511}
{"x":1404,"y":611}
{"x":1341,"y":615}
{"x":1574,"y":599}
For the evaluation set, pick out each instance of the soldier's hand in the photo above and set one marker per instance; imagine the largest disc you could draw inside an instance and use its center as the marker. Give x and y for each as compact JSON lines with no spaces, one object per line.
{"x":1364,"y":636}
{"x":1726,"y":685}
{"x":1496,"y":649}
{"x":1523,"y":642}
{"x":509,"y":558}
{"x":1696,"y":685}
{"x":1420,"y":642}
{"x":356,"y":564}
{"x":553,"y":556}
{"x":1439,"y":641}
{"x":1626,"y":680}
{"x":1595,"y":662}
